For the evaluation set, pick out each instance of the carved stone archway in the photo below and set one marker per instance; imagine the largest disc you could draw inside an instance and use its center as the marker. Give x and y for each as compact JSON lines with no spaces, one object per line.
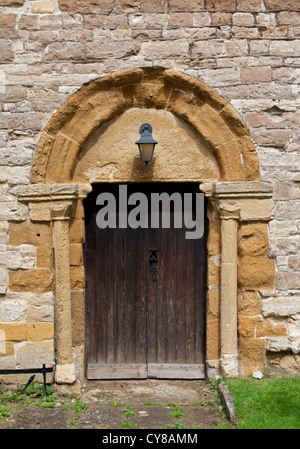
{"x":235,"y":193}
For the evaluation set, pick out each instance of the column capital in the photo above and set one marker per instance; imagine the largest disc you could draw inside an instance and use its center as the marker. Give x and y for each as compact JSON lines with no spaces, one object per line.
{"x":48,"y":202}
{"x":241,"y":200}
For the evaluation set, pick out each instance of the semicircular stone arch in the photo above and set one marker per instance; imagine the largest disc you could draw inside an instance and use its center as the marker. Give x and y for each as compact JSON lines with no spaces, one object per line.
{"x":104,"y":99}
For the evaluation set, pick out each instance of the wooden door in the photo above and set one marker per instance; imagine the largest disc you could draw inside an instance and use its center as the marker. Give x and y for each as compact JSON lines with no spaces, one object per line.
{"x":144,"y":319}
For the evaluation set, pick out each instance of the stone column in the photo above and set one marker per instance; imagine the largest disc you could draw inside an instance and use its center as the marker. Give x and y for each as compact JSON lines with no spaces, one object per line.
{"x":65,"y":369}
{"x":229,"y":349}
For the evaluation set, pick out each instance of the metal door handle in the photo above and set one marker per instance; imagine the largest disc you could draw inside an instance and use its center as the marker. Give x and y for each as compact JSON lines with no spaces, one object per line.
{"x":153,"y":255}
{"x":153,"y":259}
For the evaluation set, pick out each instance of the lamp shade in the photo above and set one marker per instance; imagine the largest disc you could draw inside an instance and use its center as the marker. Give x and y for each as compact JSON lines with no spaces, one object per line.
{"x":146,"y":143}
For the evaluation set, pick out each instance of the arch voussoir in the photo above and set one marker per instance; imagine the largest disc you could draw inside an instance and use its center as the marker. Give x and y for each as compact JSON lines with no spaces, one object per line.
{"x":105,"y":98}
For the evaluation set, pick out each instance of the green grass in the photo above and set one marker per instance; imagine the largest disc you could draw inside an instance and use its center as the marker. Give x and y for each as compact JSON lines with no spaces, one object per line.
{"x":176,"y":410}
{"x":266,"y":403}
{"x":175,"y":425}
{"x":128,"y":411}
{"x":34,"y":396}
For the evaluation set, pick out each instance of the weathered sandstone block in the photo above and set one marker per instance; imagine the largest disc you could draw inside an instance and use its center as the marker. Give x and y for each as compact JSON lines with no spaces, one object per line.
{"x":27,"y":331}
{"x":37,"y":280}
{"x":38,"y":234}
{"x":256,"y":272}
{"x":253,"y":239}
{"x":251,"y":354}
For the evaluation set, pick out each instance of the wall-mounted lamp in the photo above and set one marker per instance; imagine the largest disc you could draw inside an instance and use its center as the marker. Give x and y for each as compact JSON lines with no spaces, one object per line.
{"x":146,"y":143}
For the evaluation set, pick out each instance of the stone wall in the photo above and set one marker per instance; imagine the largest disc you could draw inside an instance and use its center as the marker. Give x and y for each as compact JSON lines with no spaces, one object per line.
{"x":247,"y":51}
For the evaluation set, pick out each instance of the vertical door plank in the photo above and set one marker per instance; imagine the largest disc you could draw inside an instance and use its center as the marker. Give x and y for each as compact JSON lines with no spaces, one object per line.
{"x":120,"y":294}
{"x":140,"y":296}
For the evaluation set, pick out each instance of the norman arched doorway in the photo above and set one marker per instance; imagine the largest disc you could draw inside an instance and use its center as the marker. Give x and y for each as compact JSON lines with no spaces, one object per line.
{"x":71,"y":156}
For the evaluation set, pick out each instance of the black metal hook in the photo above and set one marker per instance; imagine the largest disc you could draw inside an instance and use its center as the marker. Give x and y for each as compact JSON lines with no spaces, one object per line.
{"x":153,"y":254}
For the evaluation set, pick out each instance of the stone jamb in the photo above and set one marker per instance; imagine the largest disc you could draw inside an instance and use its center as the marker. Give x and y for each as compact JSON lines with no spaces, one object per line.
{"x":55,"y":203}
{"x":235,"y":202}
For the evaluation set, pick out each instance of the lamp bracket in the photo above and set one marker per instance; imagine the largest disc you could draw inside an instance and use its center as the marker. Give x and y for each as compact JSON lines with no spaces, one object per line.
{"x":144,"y":127}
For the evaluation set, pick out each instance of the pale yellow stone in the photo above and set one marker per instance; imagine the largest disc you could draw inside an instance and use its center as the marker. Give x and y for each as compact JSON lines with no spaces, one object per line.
{"x":212,"y":337}
{"x":251,"y":355}
{"x":256,"y":272}
{"x":38,"y":280}
{"x":44,"y":257}
{"x":77,"y":277}
{"x":77,"y":231}
{"x":78,"y":316}
{"x":27,"y":331}
{"x":62,"y":292}
{"x":42,"y":7}
{"x":76,"y":254}
{"x":65,"y":374}
{"x":30,"y":233}
{"x":267,"y":329}
{"x":253,"y":239}
{"x":248,"y":303}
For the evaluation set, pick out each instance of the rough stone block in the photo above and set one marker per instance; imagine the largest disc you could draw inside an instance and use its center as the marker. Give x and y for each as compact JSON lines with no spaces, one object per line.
{"x":77,"y":277}
{"x":27,"y":331}
{"x":213,"y":301}
{"x":11,"y":311}
{"x":186,"y":5}
{"x":212,"y":337}
{"x":86,"y":6}
{"x":12,"y":2}
{"x":214,"y":238}
{"x":153,"y":6}
{"x":256,"y":272}
{"x":38,"y":234}
{"x":159,"y":50}
{"x":248,"y":303}
{"x":58,"y":51}
{"x":289,"y":18}
{"x":78,"y":317}
{"x":127,"y":5}
{"x":251,"y":354}
{"x":37,"y":280}
{"x":8,"y":21}
{"x":76,"y":254}
{"x":44,"y":257}
{"x":7,"y":349}
{"x":247,"y":326}
{"x":42,"y":7}
{"x":213,"y":274}
{"x":77,"y":231}
{"x":281,"y":306}
{"x":249,"y":5}
{"x":253,"y":239}
{"x":277,"y":4}
{"x":221,"y":5}
{"x":267,"y":329}
{"x":6,"y":51}
{"x":256,"y":75}
{"x":243,"y":19}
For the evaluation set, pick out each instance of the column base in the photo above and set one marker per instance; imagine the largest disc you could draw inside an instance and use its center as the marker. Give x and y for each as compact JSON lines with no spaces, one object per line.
{"x":65,"y":374}
{"x":229,"y":365}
